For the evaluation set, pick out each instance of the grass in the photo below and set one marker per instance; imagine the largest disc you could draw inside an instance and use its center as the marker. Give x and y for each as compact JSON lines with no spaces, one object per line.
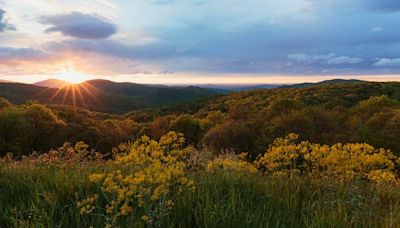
{"x":47,"y":197}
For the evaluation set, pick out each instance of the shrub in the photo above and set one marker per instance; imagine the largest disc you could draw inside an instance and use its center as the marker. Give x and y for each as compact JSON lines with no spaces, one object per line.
{"x":151,"y":174}
{"x":343,"y":161}
{"x":231,"y":163}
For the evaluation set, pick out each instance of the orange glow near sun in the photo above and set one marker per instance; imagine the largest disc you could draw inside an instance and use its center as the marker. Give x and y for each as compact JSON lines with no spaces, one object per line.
{"x":73,"y":77}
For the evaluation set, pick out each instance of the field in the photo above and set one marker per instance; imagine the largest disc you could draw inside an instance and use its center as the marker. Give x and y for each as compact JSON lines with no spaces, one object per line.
{"x":72,"y":187}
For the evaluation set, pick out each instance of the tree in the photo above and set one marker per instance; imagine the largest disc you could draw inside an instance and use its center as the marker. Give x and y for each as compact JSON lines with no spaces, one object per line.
{"x":189,"y":126}
{"x":383,"y":130}
{"x":283,"y":107}
{"x":159,"y":127}
{"x":4,"y":103}
{"x":29,"y":127}
{"x":13,"y":131}
{"x":44,"y":125}
{"x":231,"y":135}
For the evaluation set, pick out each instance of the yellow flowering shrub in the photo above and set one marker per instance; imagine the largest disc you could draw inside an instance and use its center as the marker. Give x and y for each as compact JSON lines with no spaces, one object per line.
{"x":231,"y":163}
{"x":151,"y":173}
{"x":346,"y":161}
{"x":64,"y":157}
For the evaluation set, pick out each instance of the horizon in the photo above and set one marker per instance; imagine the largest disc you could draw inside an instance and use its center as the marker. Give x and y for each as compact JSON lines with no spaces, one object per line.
{"x":199,"y":41}
{"x":277,"y":80}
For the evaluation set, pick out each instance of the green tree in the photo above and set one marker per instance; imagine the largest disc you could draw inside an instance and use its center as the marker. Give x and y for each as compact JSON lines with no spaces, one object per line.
{"x":189,"y":126}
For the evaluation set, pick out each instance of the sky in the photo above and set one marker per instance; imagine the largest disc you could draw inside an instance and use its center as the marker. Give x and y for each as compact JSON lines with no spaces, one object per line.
{"x":200,"y":41}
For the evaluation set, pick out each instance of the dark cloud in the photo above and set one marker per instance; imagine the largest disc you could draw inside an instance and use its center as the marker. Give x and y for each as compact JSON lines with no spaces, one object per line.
{"x":9,"y":55}
{"x":4,"y":25}
{"x":80,"y":26}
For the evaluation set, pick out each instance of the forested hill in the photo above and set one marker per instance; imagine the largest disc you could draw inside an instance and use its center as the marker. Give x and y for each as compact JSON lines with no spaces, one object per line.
{"x":340,"y":93}
{"x":104,"y":96}
{"x":326,"y":82}
{"x":367,"y":112}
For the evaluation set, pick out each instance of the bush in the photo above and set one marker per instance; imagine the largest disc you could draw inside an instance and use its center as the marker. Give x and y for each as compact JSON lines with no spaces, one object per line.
{"x":343,"y":161}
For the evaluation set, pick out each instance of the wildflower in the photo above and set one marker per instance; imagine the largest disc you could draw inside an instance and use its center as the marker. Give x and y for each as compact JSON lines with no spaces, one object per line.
{"x":152,"y":171}
{"x":232,"y":163}
{"x":344,"y":161}
{"x":145,"y":218}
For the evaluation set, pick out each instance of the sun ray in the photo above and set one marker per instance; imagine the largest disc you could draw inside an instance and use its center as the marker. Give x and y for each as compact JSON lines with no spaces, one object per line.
{"x":49,"y":89}
{"x":65,"y":96}
{"x":85,"y":87}
{"x":73,"y":88}
{"x":79,"y":92}
{"x":59,"y":90}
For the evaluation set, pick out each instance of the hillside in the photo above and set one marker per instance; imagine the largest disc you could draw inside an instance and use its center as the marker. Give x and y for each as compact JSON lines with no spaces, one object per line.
{"x":239,"y":87}
{"x":243,"y":121}
{"x":53,"y":83}
{"x":336,"y":93}
{"x":104,"y":96}
{"x":326,"y":82}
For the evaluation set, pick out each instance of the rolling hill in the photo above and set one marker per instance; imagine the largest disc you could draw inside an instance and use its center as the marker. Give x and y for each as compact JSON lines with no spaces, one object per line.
{"x":326,"y":82}
{"x":53,"y":83}
{"x":103,"y":95}
{"x":329,"y":93}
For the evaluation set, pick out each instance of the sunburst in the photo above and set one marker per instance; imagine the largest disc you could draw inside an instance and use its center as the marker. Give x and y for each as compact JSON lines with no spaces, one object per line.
{"x":72,"y":77}
{"x":74,"y":92}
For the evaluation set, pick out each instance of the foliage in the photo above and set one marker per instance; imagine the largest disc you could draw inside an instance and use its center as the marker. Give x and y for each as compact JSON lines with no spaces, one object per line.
{"x":231,"y":163}
{"x":243,"y":122}
{"x":27,"y":128}
{"x":153,"y":173}
{"x":343,"y":161}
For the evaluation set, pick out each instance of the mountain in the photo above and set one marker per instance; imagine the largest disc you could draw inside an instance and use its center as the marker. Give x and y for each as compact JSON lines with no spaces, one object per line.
{"x":53,"y":83}
{"x":326,"y":82}
{"x":103,"y":95}
{"x":239,"y":87}
{"x":332,"y":93}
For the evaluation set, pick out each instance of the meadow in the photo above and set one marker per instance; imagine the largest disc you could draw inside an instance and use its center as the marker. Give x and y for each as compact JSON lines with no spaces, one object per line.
{"x":163,"y":183}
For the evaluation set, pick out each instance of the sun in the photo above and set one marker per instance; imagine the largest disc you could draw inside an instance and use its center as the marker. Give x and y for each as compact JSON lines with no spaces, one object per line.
{"x":73,"y":77}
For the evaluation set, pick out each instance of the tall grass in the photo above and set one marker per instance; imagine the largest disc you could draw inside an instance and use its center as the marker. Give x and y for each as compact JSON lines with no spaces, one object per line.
{"x":47,"y":197}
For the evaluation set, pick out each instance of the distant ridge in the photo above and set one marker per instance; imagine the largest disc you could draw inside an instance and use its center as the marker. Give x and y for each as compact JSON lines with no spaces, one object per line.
{"x":53,"y":83}
{"x":239,"y":87}
{"x":326,"y":82}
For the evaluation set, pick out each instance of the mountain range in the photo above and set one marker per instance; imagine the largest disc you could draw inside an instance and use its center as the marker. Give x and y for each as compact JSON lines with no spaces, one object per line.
{"x":113,"y":97}
{"x":102,"y":95}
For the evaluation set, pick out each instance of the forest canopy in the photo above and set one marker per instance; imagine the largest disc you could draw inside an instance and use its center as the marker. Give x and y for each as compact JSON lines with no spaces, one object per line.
{"x":362,"y":112}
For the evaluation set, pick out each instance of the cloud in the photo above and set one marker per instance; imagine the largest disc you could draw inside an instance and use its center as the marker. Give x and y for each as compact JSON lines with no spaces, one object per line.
{"x":111,"y":48}
{"x":329,"y":59}
{"x":4,"y":25}
{"x":376,"y":29}
{"x":201,"y":36}
{"x":78,"y":25}
{"x":385,"y":62}
{"x":342,"y":60}
{"x":8,"y":53}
